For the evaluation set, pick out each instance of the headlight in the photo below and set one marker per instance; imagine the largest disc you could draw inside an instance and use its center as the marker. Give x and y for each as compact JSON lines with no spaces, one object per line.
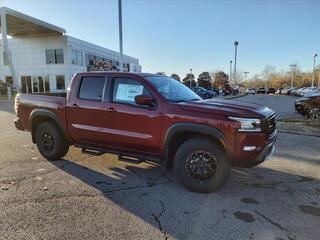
{"x":248,"y":124}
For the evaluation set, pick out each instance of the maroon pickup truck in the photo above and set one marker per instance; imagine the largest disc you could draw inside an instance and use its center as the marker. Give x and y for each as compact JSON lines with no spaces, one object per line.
{"x":150,"y":117}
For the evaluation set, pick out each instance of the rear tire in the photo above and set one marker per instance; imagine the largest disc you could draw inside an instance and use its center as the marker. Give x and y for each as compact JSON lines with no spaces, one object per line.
{"x":201,"y":165}
{"x":313,"y":113}
{"x":50,"y":141}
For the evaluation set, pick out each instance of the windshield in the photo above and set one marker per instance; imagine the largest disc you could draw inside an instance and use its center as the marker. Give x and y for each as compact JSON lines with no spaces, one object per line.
{"x":172,"y":90}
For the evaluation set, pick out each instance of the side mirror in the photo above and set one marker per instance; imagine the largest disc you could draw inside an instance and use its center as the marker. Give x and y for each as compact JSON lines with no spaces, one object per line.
{"x":143,"y":100}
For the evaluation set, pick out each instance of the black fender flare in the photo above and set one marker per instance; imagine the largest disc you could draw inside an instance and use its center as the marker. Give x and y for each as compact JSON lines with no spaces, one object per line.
{"x":193,"y":127}
{"x":42,"y":112}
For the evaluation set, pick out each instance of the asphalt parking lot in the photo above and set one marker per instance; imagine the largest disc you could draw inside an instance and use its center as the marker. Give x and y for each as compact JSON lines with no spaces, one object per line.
{"x":283,"y":105}
{"x":87,"y":197}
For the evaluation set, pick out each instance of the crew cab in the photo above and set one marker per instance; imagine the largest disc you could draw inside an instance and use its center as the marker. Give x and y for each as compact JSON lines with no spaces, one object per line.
{"x":150,"y":117}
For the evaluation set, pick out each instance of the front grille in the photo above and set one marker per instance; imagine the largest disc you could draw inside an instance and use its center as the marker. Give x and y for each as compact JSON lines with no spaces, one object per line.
{"x":271,"y":126}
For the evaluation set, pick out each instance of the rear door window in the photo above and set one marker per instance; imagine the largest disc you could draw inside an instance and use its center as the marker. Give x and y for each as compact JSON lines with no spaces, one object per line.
{"x":92,"y":88}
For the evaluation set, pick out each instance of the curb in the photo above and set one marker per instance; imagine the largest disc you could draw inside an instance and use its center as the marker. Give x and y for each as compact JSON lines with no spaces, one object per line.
{"x":234,"y":96}
{"x":299,"y":133}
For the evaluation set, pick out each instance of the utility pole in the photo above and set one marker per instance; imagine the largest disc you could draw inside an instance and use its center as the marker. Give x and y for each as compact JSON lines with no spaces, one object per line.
{"x":292,"y":73}
{"x":314,"y":68}
{"x":236,"y":43}
{"x":120,"y":34}
{"x":230,"y":75}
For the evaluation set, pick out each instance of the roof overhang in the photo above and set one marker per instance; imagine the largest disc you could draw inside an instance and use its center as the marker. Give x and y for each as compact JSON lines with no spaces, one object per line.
{"x":19,"y":24}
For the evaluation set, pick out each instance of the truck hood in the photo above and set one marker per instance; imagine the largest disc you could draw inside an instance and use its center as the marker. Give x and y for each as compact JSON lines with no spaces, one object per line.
{"x":228,"y":108}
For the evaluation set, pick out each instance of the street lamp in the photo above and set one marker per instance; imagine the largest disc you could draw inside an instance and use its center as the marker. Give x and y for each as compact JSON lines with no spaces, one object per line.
{"x":292,"y":73}
{"x":236,"y":43}
{"x":246,"y":74}
{"x":314,"y":67}
{"x":230,"y":71}
{"x":120,"y":34}
{"x":190,"y":77}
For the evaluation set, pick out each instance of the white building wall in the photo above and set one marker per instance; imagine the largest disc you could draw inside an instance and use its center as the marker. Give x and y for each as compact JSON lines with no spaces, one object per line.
{"x":29,"y":57}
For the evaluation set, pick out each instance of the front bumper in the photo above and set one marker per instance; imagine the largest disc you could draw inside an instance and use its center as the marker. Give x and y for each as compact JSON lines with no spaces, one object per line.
{"x":18,"y":124}
{"x":299,"y":107}
{"x":262,"y":149}
{"x":265,"y":154}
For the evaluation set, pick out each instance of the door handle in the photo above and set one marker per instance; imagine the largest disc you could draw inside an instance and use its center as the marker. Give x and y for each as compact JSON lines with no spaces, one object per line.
{"x":75,"y":106}
{"x":111,"y":109}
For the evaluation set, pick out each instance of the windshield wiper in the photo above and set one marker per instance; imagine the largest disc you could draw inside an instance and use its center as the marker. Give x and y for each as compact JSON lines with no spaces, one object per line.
{"x":177,"y":101}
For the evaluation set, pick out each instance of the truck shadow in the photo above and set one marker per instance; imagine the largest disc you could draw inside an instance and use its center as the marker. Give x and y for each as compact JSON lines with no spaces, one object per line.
{"x":153,"y":195}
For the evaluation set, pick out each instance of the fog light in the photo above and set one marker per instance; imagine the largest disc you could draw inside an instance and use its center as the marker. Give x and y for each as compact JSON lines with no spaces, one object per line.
{"x":249,"y":148}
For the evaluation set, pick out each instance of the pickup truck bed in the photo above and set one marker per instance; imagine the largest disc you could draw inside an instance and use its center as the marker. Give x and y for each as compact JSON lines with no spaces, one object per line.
{"x":55,"y":103}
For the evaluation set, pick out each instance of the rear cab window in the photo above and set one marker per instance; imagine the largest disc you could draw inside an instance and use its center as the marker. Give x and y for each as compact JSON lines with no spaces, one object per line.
{"x":92,"y":88}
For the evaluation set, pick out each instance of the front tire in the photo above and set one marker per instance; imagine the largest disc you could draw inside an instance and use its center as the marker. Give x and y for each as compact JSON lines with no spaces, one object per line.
{"x":50,"y":141}
{"x":201,"y":165}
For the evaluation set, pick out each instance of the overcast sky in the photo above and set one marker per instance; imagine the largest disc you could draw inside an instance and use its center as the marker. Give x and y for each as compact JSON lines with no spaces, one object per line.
{"x":174,"y":36}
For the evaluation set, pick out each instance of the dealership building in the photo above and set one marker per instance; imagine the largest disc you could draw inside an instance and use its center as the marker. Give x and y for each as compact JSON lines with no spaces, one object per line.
{"x":39,"y":57}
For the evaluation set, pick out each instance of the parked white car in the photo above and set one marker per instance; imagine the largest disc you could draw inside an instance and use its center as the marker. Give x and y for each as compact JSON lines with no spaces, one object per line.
{"x":314,"y":92}
{"x":251,"y":91}
{"x":299,"y":91}
{"x":309,"y":91}
{"x":285,"y":91}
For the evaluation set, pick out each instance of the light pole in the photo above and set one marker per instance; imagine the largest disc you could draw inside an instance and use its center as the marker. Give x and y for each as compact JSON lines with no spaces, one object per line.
{"x":236,"y":43}
{"x":292,"y":73}
{"x":190,"y":77}
{"x":120,"y":34}
{"x":246,"y":74}
{"x":314,"y":68}
{"x":230,"y":71}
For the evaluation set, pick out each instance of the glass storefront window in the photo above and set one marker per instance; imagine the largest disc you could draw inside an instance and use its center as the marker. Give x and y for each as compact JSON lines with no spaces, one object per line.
{"x":59,"y":56}
{"x":76,"y":58}
{"x":60,"y":82}
{"x":54,"y":56}
{"x":26,"y":86}
{"x":35,"y":85}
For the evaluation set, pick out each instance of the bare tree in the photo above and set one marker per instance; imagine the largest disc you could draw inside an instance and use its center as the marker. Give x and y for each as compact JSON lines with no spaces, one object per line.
{"x":266,"y":73}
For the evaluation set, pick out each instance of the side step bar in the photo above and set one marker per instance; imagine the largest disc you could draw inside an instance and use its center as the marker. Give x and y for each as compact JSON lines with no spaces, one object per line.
{"x":130,"y":159}
{"x":125,"y":157}
{"x":92,"y":152}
